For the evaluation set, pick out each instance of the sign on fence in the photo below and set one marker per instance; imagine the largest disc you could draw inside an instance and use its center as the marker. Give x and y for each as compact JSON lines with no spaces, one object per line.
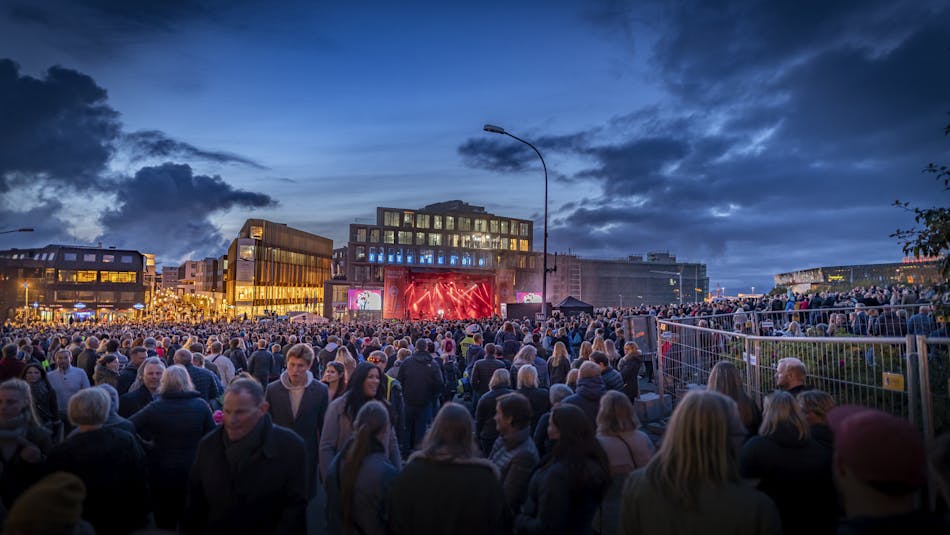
{"x":893,"y":381}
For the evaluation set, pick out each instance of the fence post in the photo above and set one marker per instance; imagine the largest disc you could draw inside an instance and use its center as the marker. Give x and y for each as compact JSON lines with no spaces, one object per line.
{"x":911,"y":374}
{"x":658,"y":363}
{"x":926,"y":413}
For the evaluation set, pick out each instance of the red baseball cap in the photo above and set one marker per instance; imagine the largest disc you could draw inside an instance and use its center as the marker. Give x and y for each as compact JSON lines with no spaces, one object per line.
{"x":880,"y":449}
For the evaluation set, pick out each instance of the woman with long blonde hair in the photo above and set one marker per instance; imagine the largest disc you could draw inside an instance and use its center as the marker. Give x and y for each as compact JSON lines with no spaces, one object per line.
{"x":349,"y":363}
{"x":583,"y":354}
{"x":784,"y":459}
{"x":692,"y":484}
{"x":726,"y":379}
{"x":559,"y":364}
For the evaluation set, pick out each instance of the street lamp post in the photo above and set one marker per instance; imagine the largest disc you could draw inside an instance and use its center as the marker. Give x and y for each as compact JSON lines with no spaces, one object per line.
{"x":544,"y":273}
{"x":26,"y":301}
{"x":680,"y":274}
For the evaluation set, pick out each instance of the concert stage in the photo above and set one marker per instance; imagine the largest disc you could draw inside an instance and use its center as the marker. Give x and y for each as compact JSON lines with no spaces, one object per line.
{"x":418,"y":294}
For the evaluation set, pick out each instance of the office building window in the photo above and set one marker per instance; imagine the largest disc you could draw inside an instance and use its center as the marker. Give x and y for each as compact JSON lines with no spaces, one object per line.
{"x":422,"y":220}
{"x":522,"y":245}
{"x":440,"y":257}
{"x":361,"y":234}
{"x":420,"y":238}
{"x":108,"y":258}
{"x":454,"y":258}
{"x":466,"y":240}
{"x":374,"y":235}
{"x":117,"y":276}
{"x":513,"y":244}
{"x":493,"y":226}
{"x":391,"y":219}
{"x":389,"y":236}
{"x":372,"y":254}
{"x":435,"y":239}
{"x":524,"y":229}
{"x":360,"y":252}
{"x":89,"y":257}
{"x":410,"y":255}
{"x":125,"y":259}
{"x":452,"y":240}
{"x":407,"y":219}
{"x":465,"y":224}
{"x":426,"y":256}
{"x":398,"y":253}
{"x":504,"y":227}
{"x":69,"y":257}
{"x":437,"y":222}
{"x":466,"y":259}
{"x":449,"y":222}
{"x":405,"y":237}
{"x":481,"y":225}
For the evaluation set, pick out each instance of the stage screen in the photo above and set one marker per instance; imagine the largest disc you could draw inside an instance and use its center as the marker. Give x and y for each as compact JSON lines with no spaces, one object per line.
{"x":415,"y":295}
{"x":528,"y":297}
{"x":365,"y":299}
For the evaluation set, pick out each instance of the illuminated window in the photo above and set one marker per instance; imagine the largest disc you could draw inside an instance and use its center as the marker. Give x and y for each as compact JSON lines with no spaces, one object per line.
{"x":426,"y":256}
{"x":524,"y":229}
{"x":374,"y":235}
{"x":389,"y":236}
{"x":246,"y":252}
{"x":420,"y":238}
{"x":435,"y":239}
{"x":440,"y":258}
{"x":407,"y":219}
{"x":372,"y":254}
{"x":405,"y":237}
{"x":466,"y":259}
{"x":361,"y":234}
{"x":117,"y":276}
{"x":465,"y":224}
{"x":522,"y":245}
{"x":422,"y":220}
{"x":449,"y":222}
{"x":391,"y":219}
{"x":410,"y":255}
{"x":86,"y":276}
{"x":467,"y":240}
{"x":108,"y":258}
{"x":454,"y":259}
{"x":504,"y":227}
{"x":89,"y":257}
{"x":504,"y":243}
{"x":399,"y":255}
{"x":437,"y":222}
{"x":481,"y":225}
{"x":452,"y":240}
{"x":493,"y":226}
{"x":513,"y":244}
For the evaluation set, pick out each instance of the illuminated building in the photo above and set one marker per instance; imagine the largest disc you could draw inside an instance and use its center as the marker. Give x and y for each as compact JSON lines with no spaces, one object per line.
{"x":56,"y":282}
{"x":449,"y":259}
{"x":273,"y":269}
{"x":910,"y":271}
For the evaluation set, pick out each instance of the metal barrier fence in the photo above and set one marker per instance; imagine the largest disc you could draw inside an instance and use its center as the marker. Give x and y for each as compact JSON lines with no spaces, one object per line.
{"x":884,"y":320}
{"x":907,"y":377}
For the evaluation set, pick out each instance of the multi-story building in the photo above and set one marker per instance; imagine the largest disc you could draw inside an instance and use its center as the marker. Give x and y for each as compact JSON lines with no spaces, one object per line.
{"x":909,"y":271}
{"x":170,"y":277}
{"x":655,"y":279}
{"x":274,"y":269}
{"x":62,"y":282}
{"x":448,"y":259}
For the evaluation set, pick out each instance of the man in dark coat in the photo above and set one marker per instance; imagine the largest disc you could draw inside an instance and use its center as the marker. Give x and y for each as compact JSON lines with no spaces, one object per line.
{"x":482,"y":371}
{"x":205,"y":381}
{"x":261,"y":362}
{"x":134,"y":401}
{"x":590,"y":388}
{"x":422,"y":383}
{"x":129,"y":372}
{"x":299,"y":403}
{"x":612,"y":378}
{"x":87,"y":357}
{"x":248,"y":475}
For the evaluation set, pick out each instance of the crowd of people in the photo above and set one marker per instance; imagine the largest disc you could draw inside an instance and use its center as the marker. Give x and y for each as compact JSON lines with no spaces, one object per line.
{"x":486,"y":426}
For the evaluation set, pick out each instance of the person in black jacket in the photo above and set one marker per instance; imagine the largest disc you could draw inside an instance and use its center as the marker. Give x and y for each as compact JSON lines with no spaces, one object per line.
{"x":110,"y":463}
{"x":630,"y":365}
{"x":261,"y":362}
{"x":565,"y":491}
{"x":590,"y":388}
{"x":422,"y":383}
{"x":150,"y":376}
{"x":129,"y":372}
{"x":248,"y":475}
{"x":612,"y":378}
{"x":206,"y":382}
{"x":485,"y":429}
{"x":173,"y":426}
{"x":482,"y":372}
{"x":537,"y":395}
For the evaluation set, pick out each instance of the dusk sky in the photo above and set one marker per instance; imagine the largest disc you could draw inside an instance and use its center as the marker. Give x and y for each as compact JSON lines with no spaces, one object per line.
{"x":755,"y":136}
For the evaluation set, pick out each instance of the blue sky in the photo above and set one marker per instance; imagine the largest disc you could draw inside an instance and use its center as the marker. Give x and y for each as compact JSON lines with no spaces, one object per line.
{"x":757,"y":137}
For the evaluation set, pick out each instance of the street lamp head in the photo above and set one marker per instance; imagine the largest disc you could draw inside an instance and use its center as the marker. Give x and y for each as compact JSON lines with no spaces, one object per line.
{"x":494,"y":129}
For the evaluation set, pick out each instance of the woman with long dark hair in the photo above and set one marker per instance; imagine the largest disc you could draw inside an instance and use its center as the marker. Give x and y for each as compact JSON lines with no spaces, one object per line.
{"x":447,"y":459}
{"x":359,"y":476}
{"x":335,"y":379}
{"x":338,"y":427}
{"x":570,"y":483}
{"x":44,"y":398}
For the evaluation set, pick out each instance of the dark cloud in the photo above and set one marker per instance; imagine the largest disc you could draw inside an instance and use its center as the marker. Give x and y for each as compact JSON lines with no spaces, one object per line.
{"x":146,"y":144}
{"x":166,"y":209}
{"x":786,"y":133}
{"x":58,"y":127}
{"x":58,"y":136}
{"x":500,"y":153}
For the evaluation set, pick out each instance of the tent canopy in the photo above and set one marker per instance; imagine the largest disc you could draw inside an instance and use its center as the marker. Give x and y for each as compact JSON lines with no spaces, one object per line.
{"x":573,"y":303}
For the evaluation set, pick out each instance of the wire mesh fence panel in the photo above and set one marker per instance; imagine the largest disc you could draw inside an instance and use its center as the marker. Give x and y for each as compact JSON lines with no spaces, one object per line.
{"x":935,"y":384}
{"x":866,"y":371}
{"x":687,"y":353}
{"x":858,"y":320}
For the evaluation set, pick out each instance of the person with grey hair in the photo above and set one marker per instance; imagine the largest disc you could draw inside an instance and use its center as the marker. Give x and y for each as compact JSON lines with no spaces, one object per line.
{"x":109,"y":461}
{"x":175,"y":424}
{"x":558,"y":393}
{"x":249,"y":475}
{"x":145,"y":388}
{"x":205,"y":382}
{"x":921,"y":323}
{"x":422,"y":384}
{"x":67,"y":380}
{"x":114,"y":419}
